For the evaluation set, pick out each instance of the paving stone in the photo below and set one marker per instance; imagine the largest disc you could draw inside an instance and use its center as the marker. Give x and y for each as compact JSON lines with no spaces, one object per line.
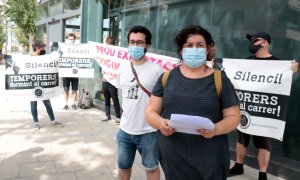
{"x":38,"y":168}
{"x":9,"y":171}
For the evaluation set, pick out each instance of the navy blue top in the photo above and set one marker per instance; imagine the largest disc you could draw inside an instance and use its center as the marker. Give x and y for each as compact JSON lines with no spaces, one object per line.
{"x":186,"y":156}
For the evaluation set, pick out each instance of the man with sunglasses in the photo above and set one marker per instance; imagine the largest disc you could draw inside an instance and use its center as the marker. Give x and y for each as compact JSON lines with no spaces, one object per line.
{"x":259,"y":48}
{"x":134,"y":133}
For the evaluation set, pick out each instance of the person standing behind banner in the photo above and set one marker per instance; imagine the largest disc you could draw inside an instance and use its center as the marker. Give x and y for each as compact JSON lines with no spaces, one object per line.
{"x":134,"y":133}
{"x":110,"y":91}
{"x":259,"y":46}
{"x":190,"y":89}
{"x":38,"y":48}
{"x":70,"y":81}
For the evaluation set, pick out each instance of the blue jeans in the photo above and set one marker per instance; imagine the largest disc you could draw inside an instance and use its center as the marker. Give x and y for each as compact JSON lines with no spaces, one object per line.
{"x":47,"y":103}
{"x":145,"y":144}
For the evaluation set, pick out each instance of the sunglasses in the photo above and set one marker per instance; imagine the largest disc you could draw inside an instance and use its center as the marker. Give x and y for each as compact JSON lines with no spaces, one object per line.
{"x":254,"y":40}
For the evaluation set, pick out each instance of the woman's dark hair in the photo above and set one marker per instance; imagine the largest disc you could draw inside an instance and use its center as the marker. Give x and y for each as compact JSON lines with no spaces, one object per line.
{"x":111,"y":38}
{"x":140,"y":29}
{"x":38,"y":44}
{"x":186,"y":32}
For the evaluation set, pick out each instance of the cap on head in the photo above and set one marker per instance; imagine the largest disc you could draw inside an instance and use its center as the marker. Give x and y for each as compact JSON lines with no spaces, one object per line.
{"x":262,"y":35}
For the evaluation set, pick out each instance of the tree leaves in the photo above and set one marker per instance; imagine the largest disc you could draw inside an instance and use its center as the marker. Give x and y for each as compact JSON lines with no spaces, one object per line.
{"x":2,"y":35}
{"x":22,"y":13}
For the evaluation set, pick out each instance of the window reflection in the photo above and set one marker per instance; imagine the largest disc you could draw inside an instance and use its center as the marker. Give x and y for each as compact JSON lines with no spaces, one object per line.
{"x":72,"y":25}
{"x":42,"y":11}
{"x":41,"y":33}
{"x":71,"y":5}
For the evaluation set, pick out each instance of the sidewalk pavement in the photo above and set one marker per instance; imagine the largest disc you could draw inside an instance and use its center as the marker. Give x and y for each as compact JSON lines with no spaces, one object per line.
{"x":85,"y":149}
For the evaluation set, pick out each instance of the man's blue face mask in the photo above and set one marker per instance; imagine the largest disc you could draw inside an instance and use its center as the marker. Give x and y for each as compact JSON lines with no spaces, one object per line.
{"x":136,"y":52}
{"x":194,"y":57}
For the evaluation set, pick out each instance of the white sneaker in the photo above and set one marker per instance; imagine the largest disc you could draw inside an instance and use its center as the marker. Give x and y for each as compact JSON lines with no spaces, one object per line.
{"x":57,"y":124}
{"x":36,"y":127}
{"x":118,"y":120}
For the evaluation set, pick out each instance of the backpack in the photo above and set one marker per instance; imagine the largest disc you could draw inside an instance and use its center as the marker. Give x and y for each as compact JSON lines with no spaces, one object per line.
{"x":85,"y":100}
{"x":217,"y":76}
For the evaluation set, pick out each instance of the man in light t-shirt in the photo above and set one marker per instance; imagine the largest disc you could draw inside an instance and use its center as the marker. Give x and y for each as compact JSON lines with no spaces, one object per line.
{"x":134,"y":133}
{"x":70,"y":81}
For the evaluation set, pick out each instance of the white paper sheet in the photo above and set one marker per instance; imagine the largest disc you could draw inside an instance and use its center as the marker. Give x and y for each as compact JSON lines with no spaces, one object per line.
{"x":189,"y":124}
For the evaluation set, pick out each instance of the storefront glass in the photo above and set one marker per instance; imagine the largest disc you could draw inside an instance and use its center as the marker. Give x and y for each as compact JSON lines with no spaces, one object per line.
{"x":42,"y":11}
{"x":72,"y":25}
{"x":70,"y":5}
{"x":41,"y":33}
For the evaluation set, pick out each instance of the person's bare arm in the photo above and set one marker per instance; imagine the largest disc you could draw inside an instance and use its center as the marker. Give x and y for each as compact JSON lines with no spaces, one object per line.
{"x":231,"y":119}
{"x":154,"y":119}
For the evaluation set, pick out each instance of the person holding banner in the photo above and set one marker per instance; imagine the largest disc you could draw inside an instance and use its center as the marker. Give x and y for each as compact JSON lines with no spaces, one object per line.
{"x":70,"y":81}
{"x":110,"y":91}
{"x":38,"y":48}
{"x":191,"y":90}
{"x":259,"y":48}
{"x":136,"y":79}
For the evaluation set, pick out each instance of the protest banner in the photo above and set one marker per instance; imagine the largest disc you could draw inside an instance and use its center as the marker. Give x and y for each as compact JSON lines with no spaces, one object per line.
{"x":76,"y":61}
{"x":110,"y":58}
{"x":32,"y":77}
{"x":263,"y":88}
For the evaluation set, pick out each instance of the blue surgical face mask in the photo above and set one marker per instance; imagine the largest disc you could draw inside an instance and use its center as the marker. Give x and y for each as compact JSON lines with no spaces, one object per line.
{"x":136,"y":52}
{"x":194,"y":57}
{"x":69,"y":41}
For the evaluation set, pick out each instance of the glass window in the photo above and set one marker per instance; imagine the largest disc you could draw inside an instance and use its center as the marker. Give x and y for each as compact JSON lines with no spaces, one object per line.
{"x":72,"y":25}
{"x":41,"y":33}
{"x":42,"y":11}
{"x":59,"y":6}
{"x":52,"y":8}
{"x":70,"y":5}
{"x":55,"y":7}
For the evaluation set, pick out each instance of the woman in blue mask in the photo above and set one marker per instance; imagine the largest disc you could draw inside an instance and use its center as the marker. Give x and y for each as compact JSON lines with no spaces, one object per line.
{"x":190,"y":90}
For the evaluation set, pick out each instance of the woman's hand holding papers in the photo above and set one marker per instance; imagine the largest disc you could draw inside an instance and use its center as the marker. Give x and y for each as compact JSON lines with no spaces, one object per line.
{"x":165,"y":128}
{"x":206,"y":133}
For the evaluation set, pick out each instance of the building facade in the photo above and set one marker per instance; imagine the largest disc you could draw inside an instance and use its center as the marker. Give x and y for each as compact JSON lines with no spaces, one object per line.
{"x":229,"y":21}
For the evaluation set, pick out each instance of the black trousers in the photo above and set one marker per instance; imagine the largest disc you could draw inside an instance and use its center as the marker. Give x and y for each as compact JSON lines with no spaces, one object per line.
{"x":111,"y":91}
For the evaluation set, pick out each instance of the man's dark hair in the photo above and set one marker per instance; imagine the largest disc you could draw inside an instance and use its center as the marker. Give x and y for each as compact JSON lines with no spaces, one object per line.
{"x":71,"y":35}
{"x":38,"y":44}
{"x":140,"y":29}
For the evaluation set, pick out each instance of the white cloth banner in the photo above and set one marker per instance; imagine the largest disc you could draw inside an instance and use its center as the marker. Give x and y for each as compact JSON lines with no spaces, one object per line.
{"x":263,"y":88}
{"x":32,"y":77}
{"x":110,"y":58}
{"x":76,"y":61}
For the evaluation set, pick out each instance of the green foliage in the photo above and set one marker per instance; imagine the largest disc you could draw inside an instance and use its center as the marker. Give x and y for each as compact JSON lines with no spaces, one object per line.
{"x":22,"y":38}
{"x":14,"y":48}
{"x":2,"y":35}
{"x":72,"y":4}
{"x":22,"y":13}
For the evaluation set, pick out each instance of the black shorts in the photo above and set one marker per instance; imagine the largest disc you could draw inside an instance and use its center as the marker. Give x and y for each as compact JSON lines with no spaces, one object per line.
{"x":70,"y":81}
{"x":259,"y":141}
